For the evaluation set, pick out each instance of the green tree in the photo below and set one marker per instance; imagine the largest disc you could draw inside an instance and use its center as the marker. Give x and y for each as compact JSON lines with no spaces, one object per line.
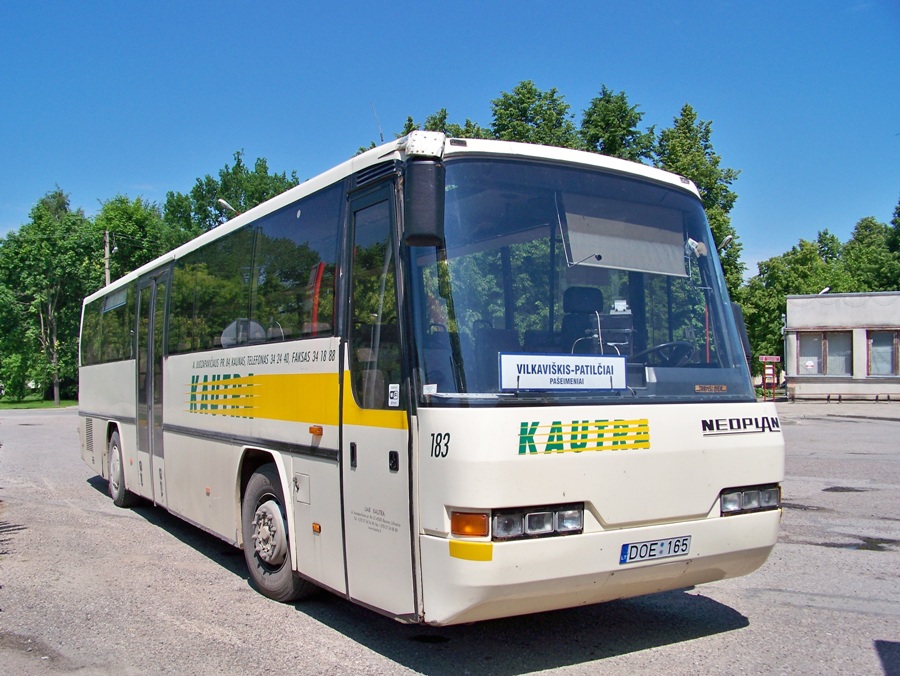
{"x":242,"y":188}
{"x":49,"y":264}
{"x":610,"y":126}
{"x":868,"y":259}
{"x":15,"y":355}
{"x":686,"y":149}
{"x":439,"y":122}
{"x":829,"y":246}
{"x":807,"y":268}
{"x":893,"y":240}
{"x":138,"y":232}
{"x":530,"y":115}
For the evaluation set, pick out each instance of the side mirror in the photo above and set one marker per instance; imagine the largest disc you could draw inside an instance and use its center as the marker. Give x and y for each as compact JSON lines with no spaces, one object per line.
{"x":423,"y":203}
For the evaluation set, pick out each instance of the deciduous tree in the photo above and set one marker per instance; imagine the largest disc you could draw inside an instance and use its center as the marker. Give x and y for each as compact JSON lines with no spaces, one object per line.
{"x":529,"y":115}
{"x":439,"y":122}
{"x":686,"y":149}
{"x":242,"y":188}
{"x":138,"y":232}
{"x":807,"y":268}
{"x":868,"y":259}
{"x":610,"y":126}
{"x":49,"y":264}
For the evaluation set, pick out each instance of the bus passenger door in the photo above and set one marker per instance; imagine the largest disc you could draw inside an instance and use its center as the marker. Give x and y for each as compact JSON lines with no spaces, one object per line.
{"x":375,"y":429}
{"x":150,"y":332}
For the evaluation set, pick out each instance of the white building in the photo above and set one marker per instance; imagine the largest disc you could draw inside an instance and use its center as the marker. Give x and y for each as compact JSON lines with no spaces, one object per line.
{"x":843,"y":345}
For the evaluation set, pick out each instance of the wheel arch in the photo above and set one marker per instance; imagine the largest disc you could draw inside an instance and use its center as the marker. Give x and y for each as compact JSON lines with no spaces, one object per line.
{"x":112,"y":426}
{"x":251,"y":460}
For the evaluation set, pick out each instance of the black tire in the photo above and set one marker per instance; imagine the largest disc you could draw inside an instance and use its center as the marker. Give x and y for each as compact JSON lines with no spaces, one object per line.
{"x":121,"y":496}
{"x":267,"y":548}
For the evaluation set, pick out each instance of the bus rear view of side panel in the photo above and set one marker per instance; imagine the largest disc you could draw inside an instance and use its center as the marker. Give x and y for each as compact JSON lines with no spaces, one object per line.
{"x":107,"y":380}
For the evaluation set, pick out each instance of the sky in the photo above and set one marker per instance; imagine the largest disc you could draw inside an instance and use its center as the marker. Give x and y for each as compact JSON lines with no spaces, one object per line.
{"x":140,"y":98}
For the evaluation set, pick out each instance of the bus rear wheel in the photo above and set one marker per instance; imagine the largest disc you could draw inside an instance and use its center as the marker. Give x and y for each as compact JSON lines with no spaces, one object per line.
{"x":121,"y":496}
{"x":266,"y":545}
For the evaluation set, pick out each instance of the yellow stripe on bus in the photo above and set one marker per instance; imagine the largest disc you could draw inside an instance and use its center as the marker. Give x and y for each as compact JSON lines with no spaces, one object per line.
{"x":370,"y":417}
{"x":290,"y":397}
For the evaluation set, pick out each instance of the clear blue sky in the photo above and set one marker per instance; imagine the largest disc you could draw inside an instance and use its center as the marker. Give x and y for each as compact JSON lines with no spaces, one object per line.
{"x":138,"y":98}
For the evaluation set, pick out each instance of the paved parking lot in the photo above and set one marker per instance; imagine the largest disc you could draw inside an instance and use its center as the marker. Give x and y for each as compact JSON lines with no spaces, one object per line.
{"x":91,"y":589}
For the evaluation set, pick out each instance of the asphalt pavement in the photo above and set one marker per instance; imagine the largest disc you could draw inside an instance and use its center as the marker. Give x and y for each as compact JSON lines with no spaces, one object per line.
{"x":857,"y":408}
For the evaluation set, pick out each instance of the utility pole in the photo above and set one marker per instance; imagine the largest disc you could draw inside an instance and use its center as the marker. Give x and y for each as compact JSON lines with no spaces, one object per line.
{"x":106,"y":254}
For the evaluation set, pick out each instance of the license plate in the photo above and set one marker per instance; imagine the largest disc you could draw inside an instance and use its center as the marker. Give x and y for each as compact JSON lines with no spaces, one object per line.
{"x":655,"y":549}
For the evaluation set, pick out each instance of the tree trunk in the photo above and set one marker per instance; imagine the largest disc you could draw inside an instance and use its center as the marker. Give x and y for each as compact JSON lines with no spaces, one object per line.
{"x":54,"y":359}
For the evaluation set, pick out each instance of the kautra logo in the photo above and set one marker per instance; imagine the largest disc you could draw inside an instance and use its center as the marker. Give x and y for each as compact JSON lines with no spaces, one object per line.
{"x":221,"y":394}
{"x":581,"y":436}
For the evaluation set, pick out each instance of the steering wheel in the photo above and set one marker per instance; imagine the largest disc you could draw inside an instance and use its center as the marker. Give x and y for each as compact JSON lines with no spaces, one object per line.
{"x":676,"y":353}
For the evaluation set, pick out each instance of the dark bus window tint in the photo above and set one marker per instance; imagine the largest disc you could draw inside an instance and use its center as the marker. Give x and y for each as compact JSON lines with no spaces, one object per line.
{"x":210,"y":297}
{"x":90,"y":333}
{"x":296,"y":249}
{"x":118,"y":315}
{"x":374,"y":336}
{"x":106,"y":332}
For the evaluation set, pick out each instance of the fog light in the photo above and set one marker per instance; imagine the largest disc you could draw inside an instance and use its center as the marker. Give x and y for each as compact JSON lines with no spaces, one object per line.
{"x":537,"y":523}
{"x":568,"y":520}
{"x":508,"y":525}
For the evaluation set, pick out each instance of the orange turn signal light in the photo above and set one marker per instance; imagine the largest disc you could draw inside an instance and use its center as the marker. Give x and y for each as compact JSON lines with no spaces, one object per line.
{"x":471,"y":524}
{"x":316,"y":430}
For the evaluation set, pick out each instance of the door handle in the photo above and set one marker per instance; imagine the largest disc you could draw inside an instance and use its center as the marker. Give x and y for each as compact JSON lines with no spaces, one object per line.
{"x":353,"y":455}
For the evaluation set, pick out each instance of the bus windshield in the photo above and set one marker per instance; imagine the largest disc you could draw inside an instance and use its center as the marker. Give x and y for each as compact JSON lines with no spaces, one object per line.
{"x":558,"y":284}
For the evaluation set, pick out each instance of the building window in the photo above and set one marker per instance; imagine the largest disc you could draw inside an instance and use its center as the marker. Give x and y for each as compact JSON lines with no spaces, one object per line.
{"x":809,"y":360}
{"x":882,"y":353}
{"x":825,"y":353}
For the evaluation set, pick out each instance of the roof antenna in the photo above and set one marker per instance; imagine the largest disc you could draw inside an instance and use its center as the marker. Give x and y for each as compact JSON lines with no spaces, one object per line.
{"x":380,"y":133}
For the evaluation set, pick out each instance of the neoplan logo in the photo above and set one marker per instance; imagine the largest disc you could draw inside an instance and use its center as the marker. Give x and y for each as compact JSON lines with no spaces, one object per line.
{"x":721,"y":426}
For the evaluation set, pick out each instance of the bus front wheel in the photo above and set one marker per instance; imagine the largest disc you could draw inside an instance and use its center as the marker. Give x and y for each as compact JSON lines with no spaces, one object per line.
{"x":121,"y":496}
{"x":266,"y":543}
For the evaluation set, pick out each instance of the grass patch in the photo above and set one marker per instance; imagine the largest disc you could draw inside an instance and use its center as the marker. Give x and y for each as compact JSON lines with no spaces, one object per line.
{"x":33,"y":401}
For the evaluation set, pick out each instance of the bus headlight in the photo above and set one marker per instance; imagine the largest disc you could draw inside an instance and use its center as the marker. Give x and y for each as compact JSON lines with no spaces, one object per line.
{"x":749,"y":499}
{"x":539,"y":523}
{"x":569,"y":520}
{"x":531,"y":522}
{"x":508,"y":526}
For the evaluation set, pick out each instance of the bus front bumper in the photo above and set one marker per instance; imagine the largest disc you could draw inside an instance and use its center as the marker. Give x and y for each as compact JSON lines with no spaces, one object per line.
{"x":501,"y":579}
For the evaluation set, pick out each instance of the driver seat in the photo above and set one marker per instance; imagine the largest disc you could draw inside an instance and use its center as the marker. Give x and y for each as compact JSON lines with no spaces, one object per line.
{"x":581,"y":305}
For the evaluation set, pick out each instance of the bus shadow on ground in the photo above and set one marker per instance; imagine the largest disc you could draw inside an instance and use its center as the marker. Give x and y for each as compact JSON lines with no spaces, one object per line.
{"x":531,"y":643}
{"x":216,"y":550}
{"x":506,"y":646}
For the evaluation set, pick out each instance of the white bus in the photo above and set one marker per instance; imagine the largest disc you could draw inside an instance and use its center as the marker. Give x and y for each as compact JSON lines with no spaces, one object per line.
{"x":449,"y":380}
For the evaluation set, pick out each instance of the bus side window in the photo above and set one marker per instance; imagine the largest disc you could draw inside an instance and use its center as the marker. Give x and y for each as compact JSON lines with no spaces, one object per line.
{"x":296,"y":250}
{"x":374,"y":335}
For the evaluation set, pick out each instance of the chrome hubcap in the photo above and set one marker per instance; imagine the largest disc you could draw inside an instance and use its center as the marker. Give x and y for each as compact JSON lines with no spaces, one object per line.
{"x":269,"y":539}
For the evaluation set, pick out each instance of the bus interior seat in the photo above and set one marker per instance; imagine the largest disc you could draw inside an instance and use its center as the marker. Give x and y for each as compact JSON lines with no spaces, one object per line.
{"x":581,"y":305}
{"x":540,"y":341}
{"x":242,"y":331}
